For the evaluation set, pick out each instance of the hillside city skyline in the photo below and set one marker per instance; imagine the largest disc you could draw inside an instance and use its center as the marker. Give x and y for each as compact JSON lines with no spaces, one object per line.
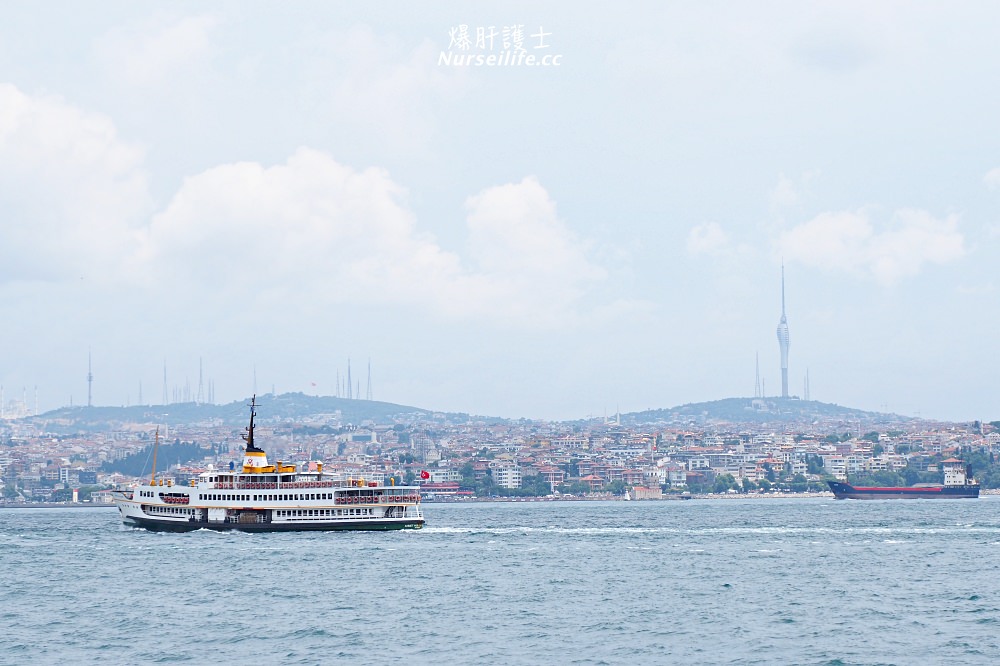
{"x":75,"y":455}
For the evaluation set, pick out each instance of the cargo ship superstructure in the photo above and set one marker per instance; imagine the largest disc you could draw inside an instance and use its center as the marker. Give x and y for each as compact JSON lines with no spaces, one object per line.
{"x":262,"y":497}
{"x":958,"y":484}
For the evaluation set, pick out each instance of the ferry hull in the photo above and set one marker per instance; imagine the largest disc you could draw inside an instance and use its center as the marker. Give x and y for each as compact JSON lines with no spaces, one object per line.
{"x":157,"y":525}
{"x":847,"y":491}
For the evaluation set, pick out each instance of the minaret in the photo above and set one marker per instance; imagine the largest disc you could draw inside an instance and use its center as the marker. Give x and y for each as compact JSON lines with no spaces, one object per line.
{"x":90,"y":382}
{"x":783,"y":342}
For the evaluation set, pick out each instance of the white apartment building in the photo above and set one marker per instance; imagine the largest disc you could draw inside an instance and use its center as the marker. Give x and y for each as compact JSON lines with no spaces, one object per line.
{"x":835,"y":465}
{"x":507,"y":476}
{"x":445,"y":476}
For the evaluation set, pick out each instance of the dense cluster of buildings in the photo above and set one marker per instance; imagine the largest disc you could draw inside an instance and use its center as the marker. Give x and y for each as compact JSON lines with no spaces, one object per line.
{"x":492,"y":458}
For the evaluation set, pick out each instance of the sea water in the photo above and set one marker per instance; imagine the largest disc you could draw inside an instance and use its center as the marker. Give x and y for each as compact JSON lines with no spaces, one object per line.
{"x":743,"y":581}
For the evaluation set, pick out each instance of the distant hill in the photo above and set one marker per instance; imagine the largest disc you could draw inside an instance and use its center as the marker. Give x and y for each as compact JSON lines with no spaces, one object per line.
{"x":299,"y":407}
{"x":270,"y":408}
{"x":757,"y":411}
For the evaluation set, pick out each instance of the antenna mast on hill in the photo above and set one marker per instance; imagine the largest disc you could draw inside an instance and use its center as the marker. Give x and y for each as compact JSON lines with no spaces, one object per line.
{"x":201,"y":385}
{"x":90,"y":382}
{"x":349,"y":385}
{"x":757,"y":392}
{"x":368,"y":394}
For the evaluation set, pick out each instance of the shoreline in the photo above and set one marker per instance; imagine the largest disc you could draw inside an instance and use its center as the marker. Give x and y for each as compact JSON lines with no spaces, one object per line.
{"x":464,"y":500}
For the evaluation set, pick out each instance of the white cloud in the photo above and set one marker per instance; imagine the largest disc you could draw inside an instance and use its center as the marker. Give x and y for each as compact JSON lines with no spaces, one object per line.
{"x":784,"y":195}
{"x":790,"y":192}
{"x":847,"y":241}
{"x":519,"y":244}
{"x":317,"y":231}
{"x":71,"y":190}
{"x":992,"y":178}
{"x":147,"y":52}
{"x":708,"y":238}
{"x":308,"y":220}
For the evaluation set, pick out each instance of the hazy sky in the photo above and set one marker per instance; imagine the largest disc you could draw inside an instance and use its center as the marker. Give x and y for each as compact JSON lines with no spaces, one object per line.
{"x":282,"y":186}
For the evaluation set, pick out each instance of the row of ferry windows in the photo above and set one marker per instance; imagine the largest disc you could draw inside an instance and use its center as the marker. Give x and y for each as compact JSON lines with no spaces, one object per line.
{"x":286,"y":513}
{"x":306,"y":513}
{"x":268,"y":498}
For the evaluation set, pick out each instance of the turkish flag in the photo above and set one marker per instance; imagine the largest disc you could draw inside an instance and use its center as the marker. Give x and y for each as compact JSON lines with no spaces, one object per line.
{"x":424,"y":474}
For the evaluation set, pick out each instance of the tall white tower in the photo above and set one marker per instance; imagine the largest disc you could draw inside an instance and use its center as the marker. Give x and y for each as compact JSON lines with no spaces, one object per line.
{"x":783,"y":341}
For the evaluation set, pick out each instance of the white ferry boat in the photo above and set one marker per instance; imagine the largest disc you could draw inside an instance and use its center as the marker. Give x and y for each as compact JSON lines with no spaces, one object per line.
{"x":267,"y":498}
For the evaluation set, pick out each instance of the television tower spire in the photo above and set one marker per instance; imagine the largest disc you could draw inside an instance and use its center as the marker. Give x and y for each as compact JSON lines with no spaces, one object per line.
{"x":783,"y":340}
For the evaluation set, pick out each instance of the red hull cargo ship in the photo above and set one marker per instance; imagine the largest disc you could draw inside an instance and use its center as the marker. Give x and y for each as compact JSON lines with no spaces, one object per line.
{"x":958,"y":484}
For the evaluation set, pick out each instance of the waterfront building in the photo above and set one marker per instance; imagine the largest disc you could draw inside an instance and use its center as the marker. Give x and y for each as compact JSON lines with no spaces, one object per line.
{"x":507,"y":476}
